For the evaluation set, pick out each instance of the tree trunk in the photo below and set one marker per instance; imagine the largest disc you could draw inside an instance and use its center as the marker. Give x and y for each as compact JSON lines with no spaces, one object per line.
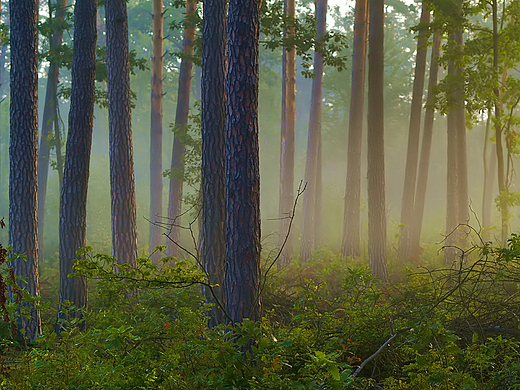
{"x":287,"y":143}
{"x":414,"y":134}
{"x":213,"y":243}
{"x":23,"y":184}
{"x":122,"y":183}
{"x":376,"y":159}
{"x":49,"y":120}
{"x":351,"y":241}
{"x":313,"y":143}
{"x":424,"y":162}
{"x":242,"y":284}
{"x":490,"y":166}
{"x":156,"y":178}
{"x":181,"y":123}
{"x":73,"y":201}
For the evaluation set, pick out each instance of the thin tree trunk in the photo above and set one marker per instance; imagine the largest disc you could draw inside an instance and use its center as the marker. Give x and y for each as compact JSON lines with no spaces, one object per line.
{"x":242,"y":284}
{"x":73,"y":201}
{"x":23,"y":150}
{"x":156,"y":178}
{"x":313,"y":142}
{"x":376,"y":159}
{"x":490,"y":163}
{"x":351,"y":240}
{"x":122,"y":182}
{"x":49,"y":120}
{"x":414,"y":134}
{"x":287,"y":143}
{"x":424,"y":162}
{"x":181,"y":123}
{"x":213,"y":243}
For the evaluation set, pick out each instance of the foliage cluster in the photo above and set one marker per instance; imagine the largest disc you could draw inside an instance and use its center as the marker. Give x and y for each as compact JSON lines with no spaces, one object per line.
{"x":328,"y":324}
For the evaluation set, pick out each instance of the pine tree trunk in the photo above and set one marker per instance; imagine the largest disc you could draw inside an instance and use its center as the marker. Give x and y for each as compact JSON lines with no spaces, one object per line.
{"x":287,"y":143}
{"x":73,"y":201}
{"x":376,"y":159}
{"x":179,"y":148}
{"x":122,"y":183}
{"x":242,"y":284}
{"x":424,"y":162}
{"x":308,"y":243}
{"x":23,"y":150}
{"x":213,"y":243}
{"x":156,"y":178}
{"x":414,"y":134}
{"x":351,"y":239}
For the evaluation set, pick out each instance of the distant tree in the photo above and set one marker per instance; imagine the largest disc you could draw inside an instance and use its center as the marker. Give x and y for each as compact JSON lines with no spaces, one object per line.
{"x":181,"y":123}
{"x":242,"y":282}
{"x":23,"y":150}
{"x":351,"y":241}
{"x":73,"y":201}
{"x":287,"y":143}
{"x":156,"y":178}
{"x":414,"y":135}
{"x":213,"y":221}
{"x":312,"y":192}
{"x":122,"y":183}
{"x":50,"y":115}
{"x":424,"y":162}
{"x":376,"y":156}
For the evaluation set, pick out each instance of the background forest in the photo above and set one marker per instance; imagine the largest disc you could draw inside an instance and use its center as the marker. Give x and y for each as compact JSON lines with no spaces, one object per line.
{"x":387,"y":257}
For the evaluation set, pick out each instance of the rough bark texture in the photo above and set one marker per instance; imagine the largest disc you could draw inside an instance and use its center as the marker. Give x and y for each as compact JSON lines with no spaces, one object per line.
{"x":351,"y":240}
{"x":287,"y":142}
{"x":122,"y":184}
{"x":376,"y":159}
{"x":181,"y":122}
{"x":424,"y":162}
{"x":308,"y":242}
{"x":213,"y":242}
{"x":48,"y":120}
{"x":23,"y":183}
{"x":414,"y":134}
{"x":242,"y":168}
{"x":156,"y":178}
{"x":73,"y":201}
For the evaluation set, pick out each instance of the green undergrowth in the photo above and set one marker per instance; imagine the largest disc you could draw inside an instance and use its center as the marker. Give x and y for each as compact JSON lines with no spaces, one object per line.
{"x":328,"y":324}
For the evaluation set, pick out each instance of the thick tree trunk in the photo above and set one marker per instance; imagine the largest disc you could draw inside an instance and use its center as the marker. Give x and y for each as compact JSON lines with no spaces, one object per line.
{"x":376,"y":159}
{"x":23,"y":184}
{"x":179,"y":147}
{"x":351,"y":240}
{"x":122,"y":183}
{"x":49,"y":120}
{"x":73,"y":201}
{"x":414,"y":134}
{"x":213,"y":243}
{"x":308,"y":243}
{"x":287,"y":143}
{"x":242,"y":284}
{"x":424,"y":162}
{"x":156,"y":178}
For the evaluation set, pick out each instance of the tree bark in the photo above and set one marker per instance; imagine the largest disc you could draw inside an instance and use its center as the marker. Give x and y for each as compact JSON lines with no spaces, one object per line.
{"x":308,"y":243}
{"x":242,"y":284}
{"x":414,"y":134}
{"x":287,"y":142}
{"x":424,"y":162}
{"x":48,"y":121}
{"x":376,"y":159}
{"x":156,"y":178}
{"x":122,"y":183}
{"x":213,"y":242}
{"x":23,"y":183}
{"x":181,"y":123}
{"x":351,"y":240}
{"x":73,"y":201}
